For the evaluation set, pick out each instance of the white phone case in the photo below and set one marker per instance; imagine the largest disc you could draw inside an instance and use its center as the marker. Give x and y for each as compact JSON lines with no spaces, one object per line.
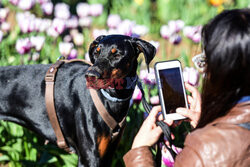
{"x":168,"y":65}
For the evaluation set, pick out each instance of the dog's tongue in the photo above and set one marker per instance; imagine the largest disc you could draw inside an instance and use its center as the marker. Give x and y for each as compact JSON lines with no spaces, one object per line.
{"x":95,"y":83}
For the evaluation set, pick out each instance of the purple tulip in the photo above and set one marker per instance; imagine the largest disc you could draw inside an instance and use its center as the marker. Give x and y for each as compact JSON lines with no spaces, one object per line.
{"x":1,"y":36}
{"x":96,"y":9}
{"x":73,"y":54}
{"x":137,"y":95}
{"x":148,"y":77}
{"x":83,"y":9}
{"x":26,"y":4}
{"x":191,"y":76}
{"x":175,"y":39}
{"x":47,"y":8}
{"x":85,"y":21}
{"x":113,"y":20}
{"x":37,"y":42}
{"x":62,"y":11}
{"x":23,"y":46}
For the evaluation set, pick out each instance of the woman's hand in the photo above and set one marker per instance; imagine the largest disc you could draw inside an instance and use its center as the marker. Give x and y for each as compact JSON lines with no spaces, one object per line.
{"x":149,"y":132}
{"x":195,"y":106}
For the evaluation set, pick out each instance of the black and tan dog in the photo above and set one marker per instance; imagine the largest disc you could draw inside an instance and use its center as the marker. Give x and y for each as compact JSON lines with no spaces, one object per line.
{"x":22,"y":96}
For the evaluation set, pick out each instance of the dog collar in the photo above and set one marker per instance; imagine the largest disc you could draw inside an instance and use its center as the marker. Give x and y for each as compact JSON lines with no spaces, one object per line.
{"x":115,"y":99}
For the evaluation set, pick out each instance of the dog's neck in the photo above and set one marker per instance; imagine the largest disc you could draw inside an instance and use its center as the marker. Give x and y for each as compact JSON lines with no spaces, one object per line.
{"x":122,"y":90}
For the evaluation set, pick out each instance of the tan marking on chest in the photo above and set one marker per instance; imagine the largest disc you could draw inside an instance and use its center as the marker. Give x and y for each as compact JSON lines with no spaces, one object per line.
{"x":103,"y":145}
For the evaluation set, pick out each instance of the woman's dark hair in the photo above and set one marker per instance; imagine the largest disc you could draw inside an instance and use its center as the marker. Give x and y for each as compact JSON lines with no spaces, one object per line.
{"x":226,"y":42}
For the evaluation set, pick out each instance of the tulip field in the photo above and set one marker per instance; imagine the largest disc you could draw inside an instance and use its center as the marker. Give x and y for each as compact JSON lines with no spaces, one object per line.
{"x":40,"y":31}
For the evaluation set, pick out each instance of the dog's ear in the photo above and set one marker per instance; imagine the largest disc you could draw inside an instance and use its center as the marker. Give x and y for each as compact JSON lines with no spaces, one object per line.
{"x":146,"y":48}
{"x":93,"y":45}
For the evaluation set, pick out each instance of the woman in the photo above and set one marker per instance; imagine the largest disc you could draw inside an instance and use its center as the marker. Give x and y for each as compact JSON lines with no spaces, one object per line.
{"x":219,"y":139}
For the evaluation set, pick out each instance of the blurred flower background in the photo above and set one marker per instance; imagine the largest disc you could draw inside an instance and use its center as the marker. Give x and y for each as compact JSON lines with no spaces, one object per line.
{"x":39,"y":31}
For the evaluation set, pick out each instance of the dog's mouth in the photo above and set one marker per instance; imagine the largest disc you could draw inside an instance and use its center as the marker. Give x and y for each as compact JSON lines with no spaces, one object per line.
{"x":96,"y":81}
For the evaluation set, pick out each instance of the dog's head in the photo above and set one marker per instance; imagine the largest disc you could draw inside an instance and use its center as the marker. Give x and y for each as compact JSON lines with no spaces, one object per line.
{"x":115,"y":56}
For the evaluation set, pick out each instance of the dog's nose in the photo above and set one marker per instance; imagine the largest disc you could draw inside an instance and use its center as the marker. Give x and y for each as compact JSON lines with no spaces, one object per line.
{"x":92,"y":73}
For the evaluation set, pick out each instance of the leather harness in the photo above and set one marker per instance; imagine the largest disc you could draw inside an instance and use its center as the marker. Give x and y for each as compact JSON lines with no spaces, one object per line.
{"x":50,"y":106}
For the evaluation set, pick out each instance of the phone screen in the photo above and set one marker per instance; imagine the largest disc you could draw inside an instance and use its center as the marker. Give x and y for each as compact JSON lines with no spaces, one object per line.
{"x":172,"y":89}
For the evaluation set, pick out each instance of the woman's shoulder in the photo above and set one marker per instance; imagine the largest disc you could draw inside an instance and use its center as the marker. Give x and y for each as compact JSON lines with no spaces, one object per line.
{"x":219,"y":143}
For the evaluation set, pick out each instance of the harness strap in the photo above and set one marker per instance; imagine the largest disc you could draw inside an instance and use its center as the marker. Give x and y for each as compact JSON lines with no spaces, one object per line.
{"x":50,"y":106}
{"x":49,"y":101}
{"x":108,"y":119}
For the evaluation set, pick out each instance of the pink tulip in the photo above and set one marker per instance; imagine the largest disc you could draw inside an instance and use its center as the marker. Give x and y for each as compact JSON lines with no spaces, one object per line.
{"x":83,"y":9}
{"x":96,"y":9}
{"x":154,"y":100}
{"x":26,"y":4}
{"x":166,"y":32}
{"x":78,"y":39}
{"x":140,"y":30}
{"x":97,"y":33}
{"x":3,"y":14}
{"x":23,"y":46}
{"x":37,"y":42}
{"x":137,"y":95}
{"x":47,"y":8}
{"x":42,"y":1}
{"x":72,"y":22}
{"x":126,"y":27}
{"x":5,"y":27}
{"x":113,"y":20}
{"x":45,"y":25}
{"x":62,"y":11}
{"x":14,"y":2}
{"x":65,"y":48}
{"x":193,"y":33}
{"x":85,"y":21}
{"x":191,"y":76}
{"x":59,"y":25}
{"x":167,"y":158}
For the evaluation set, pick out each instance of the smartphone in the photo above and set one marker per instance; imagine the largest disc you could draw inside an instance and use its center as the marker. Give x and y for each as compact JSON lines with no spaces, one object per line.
{"x":172,"y":93}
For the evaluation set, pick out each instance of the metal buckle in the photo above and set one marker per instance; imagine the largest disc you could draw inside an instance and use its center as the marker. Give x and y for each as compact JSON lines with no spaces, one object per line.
{"x":49,"y":78}
{"x":60,"y":58}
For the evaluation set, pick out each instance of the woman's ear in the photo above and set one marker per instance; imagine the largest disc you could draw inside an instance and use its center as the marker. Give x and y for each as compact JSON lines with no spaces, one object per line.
{"x":93,"y":45}
{"x":146,"y":48}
